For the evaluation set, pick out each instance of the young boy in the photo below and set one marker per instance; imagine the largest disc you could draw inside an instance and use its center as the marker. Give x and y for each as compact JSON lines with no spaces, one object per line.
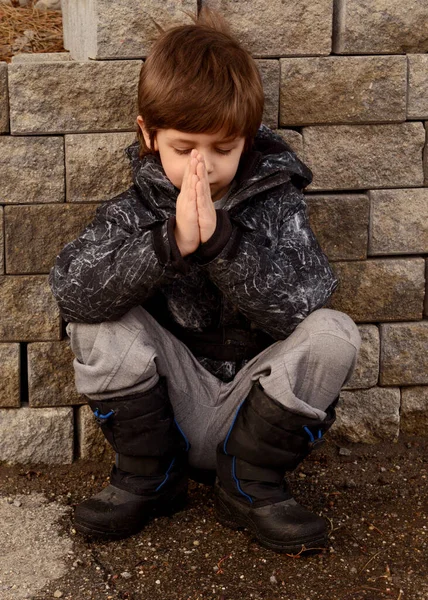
{"x":194,"y":304}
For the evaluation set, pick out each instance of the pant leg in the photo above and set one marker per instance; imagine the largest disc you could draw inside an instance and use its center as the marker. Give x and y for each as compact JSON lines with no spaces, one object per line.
{"x":305,"y":372}
{"x":119,"y":358}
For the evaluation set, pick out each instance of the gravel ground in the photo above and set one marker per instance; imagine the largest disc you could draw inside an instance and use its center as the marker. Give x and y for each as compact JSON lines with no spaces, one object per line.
{"x":32,"y":551}
{"x":374,"y":497}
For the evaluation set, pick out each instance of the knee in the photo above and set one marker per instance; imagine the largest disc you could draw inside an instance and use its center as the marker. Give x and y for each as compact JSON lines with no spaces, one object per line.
{"x":111,"y":357}
{"x":334,"y":323}
{"x":82,"y":339}
{"x":334,"y":341}
{"x":91,"y":340}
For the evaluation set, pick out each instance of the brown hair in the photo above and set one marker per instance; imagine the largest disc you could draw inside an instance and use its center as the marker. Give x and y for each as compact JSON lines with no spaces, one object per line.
{"x":199,"y":79}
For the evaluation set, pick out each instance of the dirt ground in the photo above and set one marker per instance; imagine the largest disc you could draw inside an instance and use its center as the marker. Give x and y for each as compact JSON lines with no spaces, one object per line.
{"x":374,"y":497}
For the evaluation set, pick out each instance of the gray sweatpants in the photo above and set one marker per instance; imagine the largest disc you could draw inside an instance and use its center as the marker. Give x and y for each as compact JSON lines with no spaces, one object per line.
{"x":304,"y":372}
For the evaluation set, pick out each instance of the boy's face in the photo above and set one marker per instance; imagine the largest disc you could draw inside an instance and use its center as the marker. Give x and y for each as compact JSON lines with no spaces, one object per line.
{"x":221,"y":156}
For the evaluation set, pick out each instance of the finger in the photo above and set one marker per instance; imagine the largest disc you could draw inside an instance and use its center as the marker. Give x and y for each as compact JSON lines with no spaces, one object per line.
{"x":201,"y":202}
{"x":185,"y":180}
{"x":200,"y":188}
{"x":193,"y":161}
{"x":194,"y":182}
{"x":203,"y":176}
{"x":189,"y":171}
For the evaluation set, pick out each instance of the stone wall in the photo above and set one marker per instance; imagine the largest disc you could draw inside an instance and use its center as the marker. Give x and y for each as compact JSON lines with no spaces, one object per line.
{"x":346,"y":85}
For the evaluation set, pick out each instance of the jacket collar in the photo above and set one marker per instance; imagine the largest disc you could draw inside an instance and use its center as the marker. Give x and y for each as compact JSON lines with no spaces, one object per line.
{"x":269,"y":163}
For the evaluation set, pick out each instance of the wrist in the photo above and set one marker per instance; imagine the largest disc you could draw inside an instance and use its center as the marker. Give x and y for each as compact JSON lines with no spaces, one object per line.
{"x":182,"y":246}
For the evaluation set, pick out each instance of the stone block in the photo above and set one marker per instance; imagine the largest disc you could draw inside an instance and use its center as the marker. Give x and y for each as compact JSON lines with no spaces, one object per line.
{"x":9,"y":375}
{"x":282,"y":28}
{"x":269,"y":71}
{"x":1,"y":242}
{"x":417,"y":107}
{"x":364,"y":156}
{"x":36,"y":435}
{"x":88,"y":157}
{"x":67,"y":24}
{"x":340,"y":223}
{"x":368,"y":416}
{"x":36,"y":234}
{"x":293,"y":138}
{"x":28,"y":310}
{"x":42,"y":57}
{"x":366,"y":373}
{"x":414,"y":410}
{"x":380,"y":27}
{"x":426,"y":292}
{"x":380,"y":290}
{"x":31,"y":169}
{"x":120,"y":29}
{"x":343,"y":89}
{"x":404,"y":353}
{"x":4,"y":101}
{"x":425,"y":158}
{"x":92,"y":443}
{"x":51,"y":375}
{"x":69,"y":97}
{"x":398,"y":221}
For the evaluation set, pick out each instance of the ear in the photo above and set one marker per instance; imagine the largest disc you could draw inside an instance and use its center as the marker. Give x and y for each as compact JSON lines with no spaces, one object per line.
{"x":145,"y":133}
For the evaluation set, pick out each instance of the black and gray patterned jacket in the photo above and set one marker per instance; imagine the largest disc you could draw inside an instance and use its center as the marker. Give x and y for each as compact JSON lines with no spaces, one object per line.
{"x":260,"y":274}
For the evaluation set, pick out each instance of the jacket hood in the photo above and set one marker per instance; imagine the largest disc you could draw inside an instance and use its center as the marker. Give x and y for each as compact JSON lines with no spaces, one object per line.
{"x":269,"y":163}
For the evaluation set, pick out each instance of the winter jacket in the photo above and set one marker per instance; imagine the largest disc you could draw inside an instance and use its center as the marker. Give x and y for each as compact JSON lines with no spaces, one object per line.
{"x":259,"y":275}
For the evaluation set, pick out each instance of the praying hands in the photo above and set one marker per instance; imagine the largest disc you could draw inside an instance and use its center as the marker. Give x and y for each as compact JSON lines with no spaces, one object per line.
{"x":196,"y":217}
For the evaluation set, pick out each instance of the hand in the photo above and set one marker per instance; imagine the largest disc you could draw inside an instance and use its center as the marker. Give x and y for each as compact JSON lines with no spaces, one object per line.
{"x":186,"y":231}
{"x":206,"y":212}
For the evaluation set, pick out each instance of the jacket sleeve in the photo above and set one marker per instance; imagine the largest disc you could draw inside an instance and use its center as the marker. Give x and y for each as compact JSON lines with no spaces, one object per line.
{"x":114,"y":265}
{"x":274,"y":271}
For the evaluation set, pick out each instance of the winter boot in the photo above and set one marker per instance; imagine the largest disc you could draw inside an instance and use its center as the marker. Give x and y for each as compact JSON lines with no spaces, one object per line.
{"x":150,"y":474}
{"x":264,"y":441}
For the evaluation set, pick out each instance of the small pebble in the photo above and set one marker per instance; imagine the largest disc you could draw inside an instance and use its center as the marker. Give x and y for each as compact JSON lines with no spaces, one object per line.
{"x":196,"y":543}
{"x":126,"y":575}
{"x":273,"y":579}
{"x":345,"y":452}
{"x":57,"y":594}
{"x":350,"y":483}
{"x":17,"y":503}
{"x":157,"y":582}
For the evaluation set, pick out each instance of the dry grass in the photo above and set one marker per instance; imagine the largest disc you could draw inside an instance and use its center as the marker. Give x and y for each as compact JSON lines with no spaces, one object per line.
{"x":45,"y":25}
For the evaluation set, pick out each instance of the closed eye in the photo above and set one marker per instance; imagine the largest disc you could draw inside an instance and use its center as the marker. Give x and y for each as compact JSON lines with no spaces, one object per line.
{"x":183,"y":151}
{"x":188,"y":151}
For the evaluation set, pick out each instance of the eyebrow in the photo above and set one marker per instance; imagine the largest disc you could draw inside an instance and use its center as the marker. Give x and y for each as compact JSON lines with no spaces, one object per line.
{"x":183,"y":141}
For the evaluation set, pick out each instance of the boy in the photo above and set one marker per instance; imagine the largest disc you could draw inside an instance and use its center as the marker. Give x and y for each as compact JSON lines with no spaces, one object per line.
{"x":194,"y":304}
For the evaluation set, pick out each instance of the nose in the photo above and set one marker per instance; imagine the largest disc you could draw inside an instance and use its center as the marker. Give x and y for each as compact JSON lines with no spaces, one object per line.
{"x":208,"y":163}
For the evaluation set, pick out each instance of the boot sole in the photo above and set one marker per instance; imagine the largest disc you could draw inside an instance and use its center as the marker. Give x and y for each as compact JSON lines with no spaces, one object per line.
{"x":234,"y":521}
{"x":160,"y":510}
